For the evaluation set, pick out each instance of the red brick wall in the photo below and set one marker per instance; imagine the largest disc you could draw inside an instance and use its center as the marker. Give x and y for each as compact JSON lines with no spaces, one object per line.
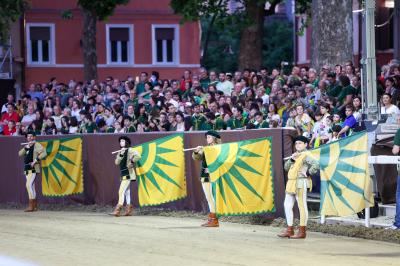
{"x":139,"y":13}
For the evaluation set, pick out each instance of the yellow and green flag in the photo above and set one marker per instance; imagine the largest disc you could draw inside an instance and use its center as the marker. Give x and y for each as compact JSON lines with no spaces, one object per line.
{"x":346,"y":186}
{"x":241,"y":173}
{"x":161,"y":171}
{"x":62,"y":173}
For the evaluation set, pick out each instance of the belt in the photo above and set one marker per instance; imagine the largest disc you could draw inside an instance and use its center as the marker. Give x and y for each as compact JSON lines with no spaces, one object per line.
{"x":27,"y":172}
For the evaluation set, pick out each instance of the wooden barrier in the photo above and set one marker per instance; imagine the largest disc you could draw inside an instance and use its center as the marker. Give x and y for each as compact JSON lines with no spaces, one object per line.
{"x":101,"y":180}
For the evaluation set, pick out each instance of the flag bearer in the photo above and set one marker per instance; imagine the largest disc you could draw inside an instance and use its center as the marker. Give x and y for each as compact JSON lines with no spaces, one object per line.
{"x":33,"y":152}
{"x":126,"y":159}
{"x":212,"y":138}
{"x":300,"y":167}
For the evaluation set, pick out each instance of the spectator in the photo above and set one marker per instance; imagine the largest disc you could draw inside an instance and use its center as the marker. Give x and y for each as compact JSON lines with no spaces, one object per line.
{"x":29,"y":117}
{"x":349,"y":122}
{"x":49,"y":127}
{"x":73,"y":125}
{"x":10,"y":115}
{"x":10,"y":99}
{"x":224,"y":85}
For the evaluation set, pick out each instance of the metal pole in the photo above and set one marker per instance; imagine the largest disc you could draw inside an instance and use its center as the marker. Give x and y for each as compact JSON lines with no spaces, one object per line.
{"x":11,"y":60}
{"x":367,"y":215}
{"x":396,"y":30}
{"x":372,"y":100}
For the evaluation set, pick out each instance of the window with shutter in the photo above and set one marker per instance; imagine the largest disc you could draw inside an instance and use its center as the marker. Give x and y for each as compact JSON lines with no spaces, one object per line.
{"x":165,"y":44}
{"x":40,"y":41}
{"x":119,"y":46}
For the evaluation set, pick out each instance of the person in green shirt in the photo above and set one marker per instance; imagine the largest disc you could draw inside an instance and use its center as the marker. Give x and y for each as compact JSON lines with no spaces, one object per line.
{"x":87,"y":125}
{"x":237,"y":120}
{"x":220,"y":123}
{"x":259,"y":121}
{"x":128,"y":125}
{"x":126,"y":160}
{"x":140,"y":86}
{"x":197,"y":119}
{"x":212,"y":138}
{"x":333,"y":89}
{"x":345,"y":96}
{"x":210,"y":122}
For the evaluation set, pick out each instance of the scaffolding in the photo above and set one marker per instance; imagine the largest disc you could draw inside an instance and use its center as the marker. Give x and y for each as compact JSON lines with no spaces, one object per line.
{"x":6,"y":61}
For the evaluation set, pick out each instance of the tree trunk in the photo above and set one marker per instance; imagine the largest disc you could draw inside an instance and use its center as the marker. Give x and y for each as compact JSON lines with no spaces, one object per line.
{"x":207,"y":39}
{"x":332,"y":32}
{"x":89,"y":45}
{"x":250,"y":53}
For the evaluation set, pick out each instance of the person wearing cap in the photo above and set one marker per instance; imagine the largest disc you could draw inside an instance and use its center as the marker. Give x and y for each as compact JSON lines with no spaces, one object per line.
{"x":126,"y":160}
{"x":212,"y":138}
{"x":33,"y":152}
{"x":300,"y":166}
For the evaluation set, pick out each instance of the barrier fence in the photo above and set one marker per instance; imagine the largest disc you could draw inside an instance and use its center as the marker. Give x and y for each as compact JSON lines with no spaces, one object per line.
{"x":101,"y":176}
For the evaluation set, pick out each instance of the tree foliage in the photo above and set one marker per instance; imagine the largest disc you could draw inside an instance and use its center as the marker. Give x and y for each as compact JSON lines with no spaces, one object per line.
{"x":94,"y":10}
{"x":102,"y":9}
{"x":10,"y":11}
{"x":243,"y":20}
{"x":277,"y":46}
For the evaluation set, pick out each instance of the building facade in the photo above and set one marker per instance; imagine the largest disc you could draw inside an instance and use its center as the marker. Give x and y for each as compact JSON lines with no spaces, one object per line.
{"x":140,"y":36}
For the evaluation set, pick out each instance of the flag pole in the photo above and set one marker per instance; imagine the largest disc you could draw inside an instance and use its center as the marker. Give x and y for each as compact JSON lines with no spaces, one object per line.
{"x":114,"y":152}
{"x":367,"y":215}
{"x":26,"y":143}
{"x":190,"y":149}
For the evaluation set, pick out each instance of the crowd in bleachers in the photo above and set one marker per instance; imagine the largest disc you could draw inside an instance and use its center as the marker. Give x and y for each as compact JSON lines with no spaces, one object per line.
{"x":323,"y":105}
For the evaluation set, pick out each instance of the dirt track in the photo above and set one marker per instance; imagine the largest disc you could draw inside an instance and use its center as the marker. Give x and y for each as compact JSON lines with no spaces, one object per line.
{"x":79,"y":238}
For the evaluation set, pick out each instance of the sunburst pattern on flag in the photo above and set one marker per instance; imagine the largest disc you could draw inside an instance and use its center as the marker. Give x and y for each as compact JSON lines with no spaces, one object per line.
{"x":241,"y":173}
{"x":345,"y":181}
{"x":62,"y":168}
{"x":161,"y":171}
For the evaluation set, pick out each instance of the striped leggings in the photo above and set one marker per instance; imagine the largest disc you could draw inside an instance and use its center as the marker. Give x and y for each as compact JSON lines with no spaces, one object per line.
{"x":207,"y":188}
{"x":301,"y":198}
{"x":124,"y":192}
{"x":30,"y":185}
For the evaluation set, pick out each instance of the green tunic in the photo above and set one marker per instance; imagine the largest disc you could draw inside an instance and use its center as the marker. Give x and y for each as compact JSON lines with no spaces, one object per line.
{"x":220,"y":124}
{"x":122,"y":166}
{"x":204,"y":175}
{"x":397,"y":138}
{"x":131,"y":129}
{"x":197,"y":121}
{"x":263,"y":124}
{"x":140,"y":88}
{"x":234,"y":123}
{"x":28,"y":159}
{"x":334,"y":90}
{"x":348,"y":90}
{"x":204,"y":83}
{"x":207,"y":126}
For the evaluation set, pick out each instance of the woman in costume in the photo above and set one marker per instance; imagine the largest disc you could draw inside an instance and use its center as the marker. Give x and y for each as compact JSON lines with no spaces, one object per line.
{"x":212,"y":138}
